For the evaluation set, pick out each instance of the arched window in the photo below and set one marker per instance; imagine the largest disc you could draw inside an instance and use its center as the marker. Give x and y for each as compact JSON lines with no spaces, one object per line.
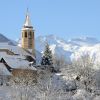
{"x":25,"y":34}
{"x":30,"y":34}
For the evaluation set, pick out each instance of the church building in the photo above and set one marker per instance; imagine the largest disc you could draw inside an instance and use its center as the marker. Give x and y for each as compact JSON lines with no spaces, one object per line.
{"x":27,"y":34}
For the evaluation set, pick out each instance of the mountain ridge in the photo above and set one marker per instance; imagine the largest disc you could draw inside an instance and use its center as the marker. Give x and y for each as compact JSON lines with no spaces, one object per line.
{"x":4,"y":39}
{"x":68,"y":49}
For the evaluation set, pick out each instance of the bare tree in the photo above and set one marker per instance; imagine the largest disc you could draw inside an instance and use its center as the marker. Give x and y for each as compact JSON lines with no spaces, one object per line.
{"x":24,"y":82}
{"x":59,"y":62}
{"x":47,"y":88}
{"x":84,"y":69}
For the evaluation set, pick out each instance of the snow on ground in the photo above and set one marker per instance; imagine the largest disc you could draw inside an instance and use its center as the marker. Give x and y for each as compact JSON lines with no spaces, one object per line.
{"x":9,"y":93}
{"x":81,"y":94}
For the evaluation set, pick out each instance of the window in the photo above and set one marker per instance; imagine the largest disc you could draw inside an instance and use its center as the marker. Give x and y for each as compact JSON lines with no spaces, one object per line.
{"x":25,"y":34}
{"x":30,"y":34}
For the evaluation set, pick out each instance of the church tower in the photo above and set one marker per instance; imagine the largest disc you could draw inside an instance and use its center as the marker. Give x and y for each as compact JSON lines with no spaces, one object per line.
{"x":27,"y":34}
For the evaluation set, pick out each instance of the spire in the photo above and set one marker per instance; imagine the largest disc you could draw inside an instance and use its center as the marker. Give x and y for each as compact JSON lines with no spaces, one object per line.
{"x":27,"y":20}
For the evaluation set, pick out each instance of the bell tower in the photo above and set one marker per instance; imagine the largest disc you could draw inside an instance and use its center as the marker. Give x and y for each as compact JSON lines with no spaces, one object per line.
{"x":27,"y":34}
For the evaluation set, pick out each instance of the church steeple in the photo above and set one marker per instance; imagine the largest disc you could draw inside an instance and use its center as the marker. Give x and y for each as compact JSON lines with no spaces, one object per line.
{"x":27,"y":20}
{"x":27,"y":33}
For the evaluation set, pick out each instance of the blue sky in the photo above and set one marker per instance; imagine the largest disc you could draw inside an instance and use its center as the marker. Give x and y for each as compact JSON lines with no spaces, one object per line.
{"x":64,"y":18}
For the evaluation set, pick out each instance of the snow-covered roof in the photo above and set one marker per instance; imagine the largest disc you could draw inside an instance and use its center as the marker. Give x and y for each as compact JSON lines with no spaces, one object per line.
{"x":17,"y":62}
{"x":14,"y":49}
{"x":4,"y":70}
{"x":15,"y":56}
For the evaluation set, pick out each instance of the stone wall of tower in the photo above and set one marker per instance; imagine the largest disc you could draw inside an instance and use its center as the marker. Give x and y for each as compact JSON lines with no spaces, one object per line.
{"x":28,"y":39}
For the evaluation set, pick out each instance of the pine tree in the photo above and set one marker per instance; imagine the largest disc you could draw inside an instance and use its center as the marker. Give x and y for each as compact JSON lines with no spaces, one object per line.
{"x":47,"y":56}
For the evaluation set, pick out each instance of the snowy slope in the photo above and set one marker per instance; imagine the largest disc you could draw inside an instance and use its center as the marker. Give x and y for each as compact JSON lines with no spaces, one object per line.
{"x":4,"y":39}
{"x":70,"y":49}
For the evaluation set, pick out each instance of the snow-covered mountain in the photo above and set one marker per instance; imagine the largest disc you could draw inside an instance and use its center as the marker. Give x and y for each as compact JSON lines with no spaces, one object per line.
{"x":67,"y":49}
{"x":4,"y":39}
{"x":70,"y":49}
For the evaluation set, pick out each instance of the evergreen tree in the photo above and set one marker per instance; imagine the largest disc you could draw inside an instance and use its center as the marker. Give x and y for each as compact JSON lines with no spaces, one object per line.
{"x":47,"y":56}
